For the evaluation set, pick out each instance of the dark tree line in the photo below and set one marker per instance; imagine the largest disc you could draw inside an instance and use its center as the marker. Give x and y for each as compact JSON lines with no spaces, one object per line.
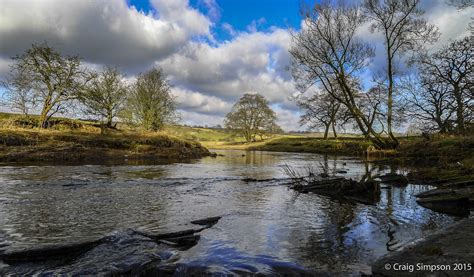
{"x":44,"y":81}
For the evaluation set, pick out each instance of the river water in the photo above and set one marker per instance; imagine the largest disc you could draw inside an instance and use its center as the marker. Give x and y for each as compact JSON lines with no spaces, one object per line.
{"x":264,"y":225}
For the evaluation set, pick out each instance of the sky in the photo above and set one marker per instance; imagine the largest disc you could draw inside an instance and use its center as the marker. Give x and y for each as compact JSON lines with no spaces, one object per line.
{"x":213,"y":51}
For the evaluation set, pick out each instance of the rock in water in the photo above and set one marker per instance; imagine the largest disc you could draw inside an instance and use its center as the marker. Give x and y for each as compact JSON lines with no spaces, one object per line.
{"x":130,"y":252}
{"x":345,"y":189}
{"x":393,"y":179}
{"x":454,"y":198}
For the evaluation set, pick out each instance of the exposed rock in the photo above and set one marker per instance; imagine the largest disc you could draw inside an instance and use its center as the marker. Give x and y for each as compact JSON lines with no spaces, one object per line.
{"x":207,"y":221}
{"x":393,"y":179}
{"x":451,"y":246}
{"x":346,"y":189}
{"x":455,"y":198}
{"x":131,"y":252}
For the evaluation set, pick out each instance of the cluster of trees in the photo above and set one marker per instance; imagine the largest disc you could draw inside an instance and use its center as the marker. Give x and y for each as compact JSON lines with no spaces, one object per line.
{"x":44,"y":81}
{"x":252,"y":116}
{"x":329,"y":57}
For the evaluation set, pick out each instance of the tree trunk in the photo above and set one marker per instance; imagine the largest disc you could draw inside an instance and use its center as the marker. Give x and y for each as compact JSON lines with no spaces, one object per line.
{"x":334,"y":129}
{"x":44,"y":118}
{"x":326,"y":131}
{"x":109,"y":121}
{"x":459,"y":111}
{"x":394,"y":141}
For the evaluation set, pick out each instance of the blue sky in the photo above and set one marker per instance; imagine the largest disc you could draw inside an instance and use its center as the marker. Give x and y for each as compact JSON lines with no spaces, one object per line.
{"x":240,"y":14}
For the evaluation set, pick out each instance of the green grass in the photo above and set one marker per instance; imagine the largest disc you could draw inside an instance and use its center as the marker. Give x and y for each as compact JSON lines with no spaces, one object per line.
{"x":347,"y":145}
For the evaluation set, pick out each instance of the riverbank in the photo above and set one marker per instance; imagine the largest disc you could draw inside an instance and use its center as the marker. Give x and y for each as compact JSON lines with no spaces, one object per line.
{"x":447,"y":252}
{"x":442,"y":157}
{"x":82,"y":145}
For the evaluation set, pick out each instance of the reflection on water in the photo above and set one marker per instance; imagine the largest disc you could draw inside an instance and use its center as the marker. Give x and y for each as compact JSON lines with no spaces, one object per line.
{"x":265,"y":225}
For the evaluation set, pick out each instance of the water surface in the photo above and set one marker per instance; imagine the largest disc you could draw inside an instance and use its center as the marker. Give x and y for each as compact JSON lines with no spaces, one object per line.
{"x":264,"y":226}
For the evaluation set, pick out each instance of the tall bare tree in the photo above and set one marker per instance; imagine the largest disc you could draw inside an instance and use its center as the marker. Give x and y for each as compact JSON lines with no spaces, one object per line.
{"x":150,"y":103}
{"x":51,"y":79}
{"x":327,"y":53}
{"x":251,"y":115}
{"x":104,"y":95}
{"x":403,"y":29}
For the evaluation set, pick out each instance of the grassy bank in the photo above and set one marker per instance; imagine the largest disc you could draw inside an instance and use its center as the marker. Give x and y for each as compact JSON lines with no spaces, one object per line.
{"x":344,"y":146}
{"x":79,"y":141}
{"x":439,"y":158}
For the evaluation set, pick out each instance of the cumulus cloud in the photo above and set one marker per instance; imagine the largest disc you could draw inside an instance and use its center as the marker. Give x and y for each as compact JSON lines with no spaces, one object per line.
{"x":197,"y":102}
{"x":250,"y":63}
{"x":102,"y":32}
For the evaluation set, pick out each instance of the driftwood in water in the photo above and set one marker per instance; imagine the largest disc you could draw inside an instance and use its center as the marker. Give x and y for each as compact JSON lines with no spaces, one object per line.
{"x":393,"y":179}
{"x":455,"y":198}
{"x":341,"y":188}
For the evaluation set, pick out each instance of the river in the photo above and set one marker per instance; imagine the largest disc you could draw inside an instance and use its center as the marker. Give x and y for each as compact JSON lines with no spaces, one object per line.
{"x":264,"y":225}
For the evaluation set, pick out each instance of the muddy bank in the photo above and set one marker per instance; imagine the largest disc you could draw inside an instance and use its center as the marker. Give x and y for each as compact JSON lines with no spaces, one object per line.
{"x":59,"y":147}
{"x":448,"y":252}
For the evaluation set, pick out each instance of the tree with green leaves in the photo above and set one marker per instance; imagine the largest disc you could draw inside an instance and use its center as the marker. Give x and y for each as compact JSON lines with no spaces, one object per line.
{"x":251,"y":116}
{"x":150,"y":103}
{"x":104,"y":95}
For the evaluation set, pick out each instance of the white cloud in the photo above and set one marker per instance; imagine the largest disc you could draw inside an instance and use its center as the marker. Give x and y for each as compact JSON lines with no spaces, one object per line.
{"x":197,"y":102}
{"x":107,"y":32}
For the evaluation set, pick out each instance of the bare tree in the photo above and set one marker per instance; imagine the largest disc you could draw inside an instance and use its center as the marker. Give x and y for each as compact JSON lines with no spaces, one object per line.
{"x":451,"y":69}
{"x":429,"y":103}
{"x":327,"y":53}
{"x":404,"y":30}
{"x":251,"y":115}
{"x":150,"y":104}
{"x":18,"y":95}
{"x":322,"y":110}
{"x":105,"y":94}
{"x":42,"y":74}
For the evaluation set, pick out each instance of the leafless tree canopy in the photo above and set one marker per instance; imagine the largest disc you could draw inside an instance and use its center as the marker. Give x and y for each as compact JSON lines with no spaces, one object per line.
{"x":327,"y":53}
{"x":43,"y":77}
{"x":322,"y":110}
{"x":442,"y":95}
{"x":104,"y":95}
